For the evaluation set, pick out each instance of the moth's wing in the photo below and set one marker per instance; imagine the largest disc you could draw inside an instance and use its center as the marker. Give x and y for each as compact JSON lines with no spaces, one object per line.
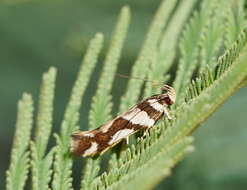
{"x":105,"y":127}
{"x":122,"y":131}
{"x":115,"y":143}
{"x":122,"y":121}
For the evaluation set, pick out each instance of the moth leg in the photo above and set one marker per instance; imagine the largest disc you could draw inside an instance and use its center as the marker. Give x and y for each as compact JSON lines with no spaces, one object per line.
{"x":167,"y":113}
{"x":143,"y":132}
{"x":127,"y":140}
{"x":146,"y":132}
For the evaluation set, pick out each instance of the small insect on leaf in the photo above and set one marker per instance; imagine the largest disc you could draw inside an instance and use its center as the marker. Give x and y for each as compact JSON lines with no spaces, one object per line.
{"x":142,"y":116}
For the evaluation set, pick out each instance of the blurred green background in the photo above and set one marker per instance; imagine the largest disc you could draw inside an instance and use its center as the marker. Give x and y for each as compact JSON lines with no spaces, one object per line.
{"x":35,"y":35}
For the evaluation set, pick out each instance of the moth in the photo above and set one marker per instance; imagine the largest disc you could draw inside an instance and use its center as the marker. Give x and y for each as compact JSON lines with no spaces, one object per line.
{"x":141,"y":116}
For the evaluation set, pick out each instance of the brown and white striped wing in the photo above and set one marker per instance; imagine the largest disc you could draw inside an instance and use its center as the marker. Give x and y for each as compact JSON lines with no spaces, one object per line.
{"x":142,"y":116}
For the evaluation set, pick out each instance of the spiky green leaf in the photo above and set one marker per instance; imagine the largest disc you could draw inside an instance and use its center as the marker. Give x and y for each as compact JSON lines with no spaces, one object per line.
{"x":19,"y":164}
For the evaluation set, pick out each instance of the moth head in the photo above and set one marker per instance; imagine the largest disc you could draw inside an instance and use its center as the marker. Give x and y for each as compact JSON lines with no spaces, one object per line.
{"x":171,"y":94}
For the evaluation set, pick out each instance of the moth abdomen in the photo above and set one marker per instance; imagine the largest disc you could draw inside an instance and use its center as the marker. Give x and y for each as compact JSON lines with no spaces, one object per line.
{"x":81,"y":142}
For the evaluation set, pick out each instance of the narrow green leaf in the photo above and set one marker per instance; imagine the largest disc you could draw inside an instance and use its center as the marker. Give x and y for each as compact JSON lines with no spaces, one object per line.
{"x":41,"y":168}
{"x":19,"y":165}
{"x":63,"y":161}
{"x":212,"y":37}
{"x":235,"y":21}
{"x":101,"y":107}
{"x":141,"y":66}
{"x":189,"y":46}
{"x":166,"y":50}
{"x":87,"y":66}
{"x":45,"y":111}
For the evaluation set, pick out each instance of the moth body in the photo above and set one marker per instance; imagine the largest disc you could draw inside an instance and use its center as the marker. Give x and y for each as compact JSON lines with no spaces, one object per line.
{"x":141,"y":116}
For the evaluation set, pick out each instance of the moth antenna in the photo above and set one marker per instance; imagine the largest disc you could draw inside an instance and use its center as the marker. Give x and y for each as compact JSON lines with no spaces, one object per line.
{"x":146,"y":80}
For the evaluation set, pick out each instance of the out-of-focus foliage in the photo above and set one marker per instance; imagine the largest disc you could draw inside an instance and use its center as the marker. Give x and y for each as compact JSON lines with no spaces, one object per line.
{"x":38,"y":34}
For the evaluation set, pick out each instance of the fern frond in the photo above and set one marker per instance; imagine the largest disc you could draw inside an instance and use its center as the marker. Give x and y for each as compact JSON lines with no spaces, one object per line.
{"x":165,"y":159}
{"x":166,"y":143}
{"x":141,"y":65}
{"x":87,"y":66}
{"x":212,"y":37}
{"x":41,"y":165}
{"x":102,"y":106}
{"x":63,"y":162}
{"x":215,"y":89}
{"x":41,"y":168}
{"x":19,"y":164}
{"x":235,"y":21}
{"x":214,"y":92}
{"x":44,"y":117}
{"x":62,"y":167}
{"x":166,"y":50}
{"x":189,"y":46}
{"x":207,"y":77}
{"x":137,"y":164}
